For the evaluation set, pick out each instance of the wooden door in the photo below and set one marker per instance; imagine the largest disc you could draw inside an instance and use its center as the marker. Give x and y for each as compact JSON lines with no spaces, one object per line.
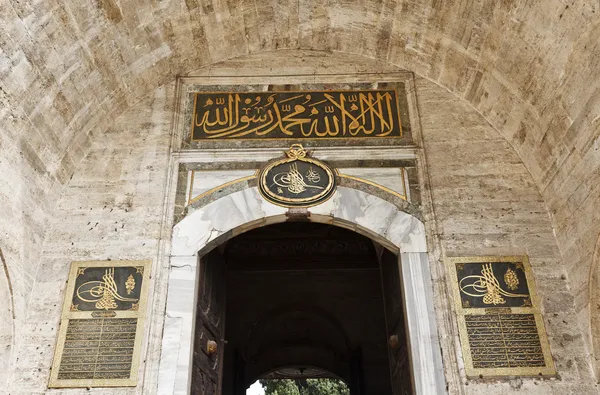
{"x":209,"y":330}
{"x":357,"y":382}
{"x":398,"y":350}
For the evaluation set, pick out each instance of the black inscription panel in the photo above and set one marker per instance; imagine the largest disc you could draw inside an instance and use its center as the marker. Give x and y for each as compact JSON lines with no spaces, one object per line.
{"x":296,"y":115}
{"x":504,"y":341}
{"x":99,"y":340}
{"x":490,"y":285}
{"x":501,"y":326}
{"x":98,"y":349}
{"x":107,"y":288}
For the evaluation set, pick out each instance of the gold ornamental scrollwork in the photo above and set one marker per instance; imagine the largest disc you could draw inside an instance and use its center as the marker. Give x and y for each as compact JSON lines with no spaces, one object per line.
{"x":296,"y":180}
{"x":296,"y":151}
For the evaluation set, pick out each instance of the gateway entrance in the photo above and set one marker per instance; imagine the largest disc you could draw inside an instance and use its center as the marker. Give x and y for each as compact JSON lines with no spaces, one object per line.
{"x":300,"y":300}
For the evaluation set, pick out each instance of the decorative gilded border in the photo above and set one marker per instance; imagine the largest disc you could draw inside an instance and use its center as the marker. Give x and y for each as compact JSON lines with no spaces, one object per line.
{"x":68,"y":314}
{"x":386,"y":189}
{"x":548,"y":369}
{"x":192,"y":199}
{"x":289,"y":139}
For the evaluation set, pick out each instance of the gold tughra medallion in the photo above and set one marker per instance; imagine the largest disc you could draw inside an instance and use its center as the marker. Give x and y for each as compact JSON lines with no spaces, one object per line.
{"x":296,"y":180}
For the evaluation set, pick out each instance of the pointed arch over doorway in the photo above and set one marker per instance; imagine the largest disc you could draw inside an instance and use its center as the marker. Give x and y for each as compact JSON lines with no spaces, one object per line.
{"x":209,"y":226}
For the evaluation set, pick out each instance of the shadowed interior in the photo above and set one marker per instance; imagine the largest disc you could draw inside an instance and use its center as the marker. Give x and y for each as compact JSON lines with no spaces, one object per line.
{"x":306,"y":299}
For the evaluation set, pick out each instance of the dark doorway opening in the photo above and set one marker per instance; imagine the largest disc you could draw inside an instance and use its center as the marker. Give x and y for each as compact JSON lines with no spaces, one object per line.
{"x":300,"y":300}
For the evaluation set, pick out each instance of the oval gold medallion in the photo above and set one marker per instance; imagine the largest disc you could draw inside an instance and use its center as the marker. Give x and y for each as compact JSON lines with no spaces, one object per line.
{"x":297,"y":180}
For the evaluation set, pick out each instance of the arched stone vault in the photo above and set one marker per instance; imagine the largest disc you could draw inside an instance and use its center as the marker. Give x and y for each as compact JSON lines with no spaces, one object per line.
{"x":69,"y":69}
{"x":113,"y":208}
{"x":530,"y":68}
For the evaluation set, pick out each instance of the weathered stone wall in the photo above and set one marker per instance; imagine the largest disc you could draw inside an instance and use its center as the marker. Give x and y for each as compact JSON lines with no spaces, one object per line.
{"x":485,"y":201}
{"x":112,"y":208}
{"x":69,"y":67}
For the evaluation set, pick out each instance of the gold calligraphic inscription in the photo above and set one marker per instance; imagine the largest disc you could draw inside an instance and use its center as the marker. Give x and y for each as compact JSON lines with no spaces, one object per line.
{"x":500,"y":323}
{"x":293,"y":181}
{"x":297,"y":180}
{"x":100,"y":333}
{"x":99,"y":288}
{"x":105,"y":293}
{"x":296,"y":115}
{"x":504,"y":341}
{"x":487,"y":286}
{"x":98,"y":349}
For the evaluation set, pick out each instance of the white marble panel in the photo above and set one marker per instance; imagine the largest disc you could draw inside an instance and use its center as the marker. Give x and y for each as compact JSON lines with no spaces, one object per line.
{"x":205,"y":224}
{"x":205,"y":180}
{"x":168,"y":366}
{"x":389,"y":177}
{"x":407,"y":232}
{"x":376,"y":215}
{"x":178,"y":330}
{"x":426,"y":356}
{"x":322,"y":153}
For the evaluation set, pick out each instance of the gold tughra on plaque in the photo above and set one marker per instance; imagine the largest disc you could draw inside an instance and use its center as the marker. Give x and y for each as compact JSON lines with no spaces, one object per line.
{"x":501,"y":327}
{"x":296,"y":180}
{"x":102,"y":323}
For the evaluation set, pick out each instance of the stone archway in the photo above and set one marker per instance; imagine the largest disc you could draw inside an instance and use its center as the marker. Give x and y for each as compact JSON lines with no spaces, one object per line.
{"x":206,"y":227}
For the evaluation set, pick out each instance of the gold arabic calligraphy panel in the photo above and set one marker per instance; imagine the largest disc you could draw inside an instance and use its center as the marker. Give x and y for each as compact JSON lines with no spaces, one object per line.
{"x":314,"y":114}
{"x":501,"y":327}
{"x":504,"y":341}
{"x":102,"y":325}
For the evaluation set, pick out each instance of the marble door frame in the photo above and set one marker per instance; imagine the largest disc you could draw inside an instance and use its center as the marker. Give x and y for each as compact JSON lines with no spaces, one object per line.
{"x":206,"y":227}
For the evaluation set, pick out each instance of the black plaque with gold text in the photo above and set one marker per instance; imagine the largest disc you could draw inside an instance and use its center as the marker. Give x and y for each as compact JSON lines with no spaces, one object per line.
{"x":102,"y":325}
{"x":504,"y":341}
{"x":497,"y":284}
{"x":296,"y":115}
{"x":501,"y":327}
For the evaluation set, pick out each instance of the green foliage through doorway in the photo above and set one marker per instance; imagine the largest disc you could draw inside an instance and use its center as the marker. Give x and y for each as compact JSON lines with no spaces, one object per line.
{"x":305,"y":387}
